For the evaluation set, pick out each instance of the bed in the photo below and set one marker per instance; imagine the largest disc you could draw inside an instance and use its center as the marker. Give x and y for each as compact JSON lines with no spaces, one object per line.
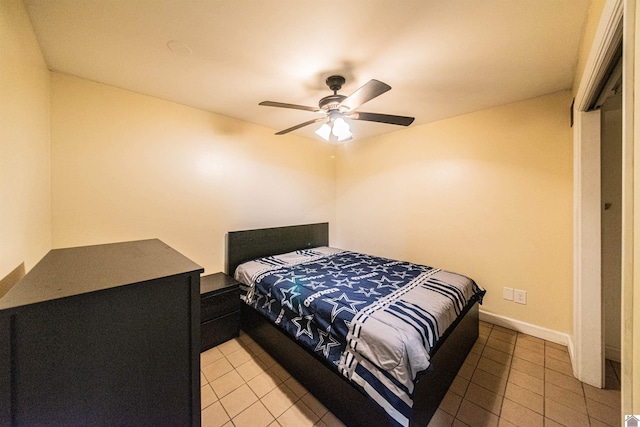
{"x":324,"y":377}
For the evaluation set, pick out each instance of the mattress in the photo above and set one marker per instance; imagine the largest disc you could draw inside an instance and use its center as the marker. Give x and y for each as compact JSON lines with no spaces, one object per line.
{"x":374,"y":320}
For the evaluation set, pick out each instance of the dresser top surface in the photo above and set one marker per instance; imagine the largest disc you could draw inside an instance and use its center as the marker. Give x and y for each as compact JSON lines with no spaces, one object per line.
{"x":73,"y":271}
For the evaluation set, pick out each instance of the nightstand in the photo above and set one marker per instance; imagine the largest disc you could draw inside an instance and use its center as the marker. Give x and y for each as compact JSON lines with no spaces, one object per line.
{"x":219,"y":309}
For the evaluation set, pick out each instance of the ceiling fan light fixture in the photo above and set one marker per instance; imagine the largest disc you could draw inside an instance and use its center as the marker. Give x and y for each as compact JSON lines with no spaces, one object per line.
{"x":340,"y":127}
{"x":324,"y":131}
{"x":336,"y":128}
{"x":341,"y":130}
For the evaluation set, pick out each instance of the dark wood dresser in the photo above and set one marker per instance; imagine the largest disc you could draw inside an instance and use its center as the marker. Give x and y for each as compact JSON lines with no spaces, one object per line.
{"x":103,"y":335}
{"x":220,"y":309}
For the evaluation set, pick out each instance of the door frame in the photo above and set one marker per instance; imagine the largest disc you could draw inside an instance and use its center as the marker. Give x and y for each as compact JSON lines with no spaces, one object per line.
{"x":588,"y":332}
{"x":629,"y":343}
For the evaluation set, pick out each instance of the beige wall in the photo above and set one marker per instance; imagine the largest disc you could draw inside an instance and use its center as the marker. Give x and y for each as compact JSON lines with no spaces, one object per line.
{"x":25,"y":194}
{"x":127,"y":166}
{"x":488,"y":194}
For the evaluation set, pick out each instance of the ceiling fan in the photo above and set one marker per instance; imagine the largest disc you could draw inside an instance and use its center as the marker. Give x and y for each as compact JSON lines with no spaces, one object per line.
{"x":335,"y":108}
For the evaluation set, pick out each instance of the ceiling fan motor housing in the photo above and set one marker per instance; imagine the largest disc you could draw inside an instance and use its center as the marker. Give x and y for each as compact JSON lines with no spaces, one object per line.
{"x":335,"y":83}
{"x":331,"y":102}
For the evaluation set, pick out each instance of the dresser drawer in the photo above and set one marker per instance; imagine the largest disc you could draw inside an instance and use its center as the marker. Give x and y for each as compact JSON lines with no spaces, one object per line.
{"x":219,"y":304}
{"x":217,"y":331}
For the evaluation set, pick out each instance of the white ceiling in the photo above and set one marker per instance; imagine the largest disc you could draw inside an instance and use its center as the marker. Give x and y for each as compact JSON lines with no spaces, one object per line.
{"x":442,"y":58}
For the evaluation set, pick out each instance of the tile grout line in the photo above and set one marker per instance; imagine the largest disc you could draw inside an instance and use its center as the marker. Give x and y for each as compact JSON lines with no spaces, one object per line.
{"x":586,"y":405}
{"x":220,"y":398}
{"x":615,"y":373}
{"x":507,"y":381}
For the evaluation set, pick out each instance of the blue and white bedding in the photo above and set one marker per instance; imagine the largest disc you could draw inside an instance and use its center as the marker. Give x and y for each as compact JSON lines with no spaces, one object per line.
{"x":375,"y":319}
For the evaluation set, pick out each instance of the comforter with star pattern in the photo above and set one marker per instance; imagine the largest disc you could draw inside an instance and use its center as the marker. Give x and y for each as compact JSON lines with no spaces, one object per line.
{"x":374,"y":319}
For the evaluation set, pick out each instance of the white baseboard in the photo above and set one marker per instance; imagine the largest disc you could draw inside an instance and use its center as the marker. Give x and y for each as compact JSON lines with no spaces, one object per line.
{"x":612,"y":353}
{"x":527,"y":328}
{"x":535,"y":331}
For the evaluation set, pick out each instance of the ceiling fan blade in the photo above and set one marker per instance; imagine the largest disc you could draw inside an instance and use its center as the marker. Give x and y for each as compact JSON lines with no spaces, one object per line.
{"x":310,"y":122}
{"x":365,"y":93}
{"x":284,"y":105}
{"x":382,"y":118}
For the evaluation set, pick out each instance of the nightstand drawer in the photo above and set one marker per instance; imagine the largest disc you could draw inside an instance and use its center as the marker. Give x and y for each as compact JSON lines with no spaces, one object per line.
{"x":217,"y":331}
{"x":220,"y":304}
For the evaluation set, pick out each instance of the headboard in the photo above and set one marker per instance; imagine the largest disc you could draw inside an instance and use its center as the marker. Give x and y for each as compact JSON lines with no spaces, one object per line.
{"x":250,"y":244}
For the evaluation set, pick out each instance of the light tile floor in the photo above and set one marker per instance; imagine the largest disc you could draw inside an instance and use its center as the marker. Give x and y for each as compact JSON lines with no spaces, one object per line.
{"x":508,"y":379}
{"x":243,"y":386}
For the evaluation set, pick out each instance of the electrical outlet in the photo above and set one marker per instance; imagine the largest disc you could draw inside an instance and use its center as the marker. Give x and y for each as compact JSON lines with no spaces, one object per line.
{"x":520,"y":296}
{"x":507,"y":293}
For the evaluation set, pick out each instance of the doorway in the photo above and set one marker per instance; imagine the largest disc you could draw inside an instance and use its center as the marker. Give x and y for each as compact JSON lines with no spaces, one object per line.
{"x":611,"y":229}
{"x":588,"y":341}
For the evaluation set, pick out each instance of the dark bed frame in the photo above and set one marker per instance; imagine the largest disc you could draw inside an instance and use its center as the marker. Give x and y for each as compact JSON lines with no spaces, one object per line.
{"x":340,"y":396}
